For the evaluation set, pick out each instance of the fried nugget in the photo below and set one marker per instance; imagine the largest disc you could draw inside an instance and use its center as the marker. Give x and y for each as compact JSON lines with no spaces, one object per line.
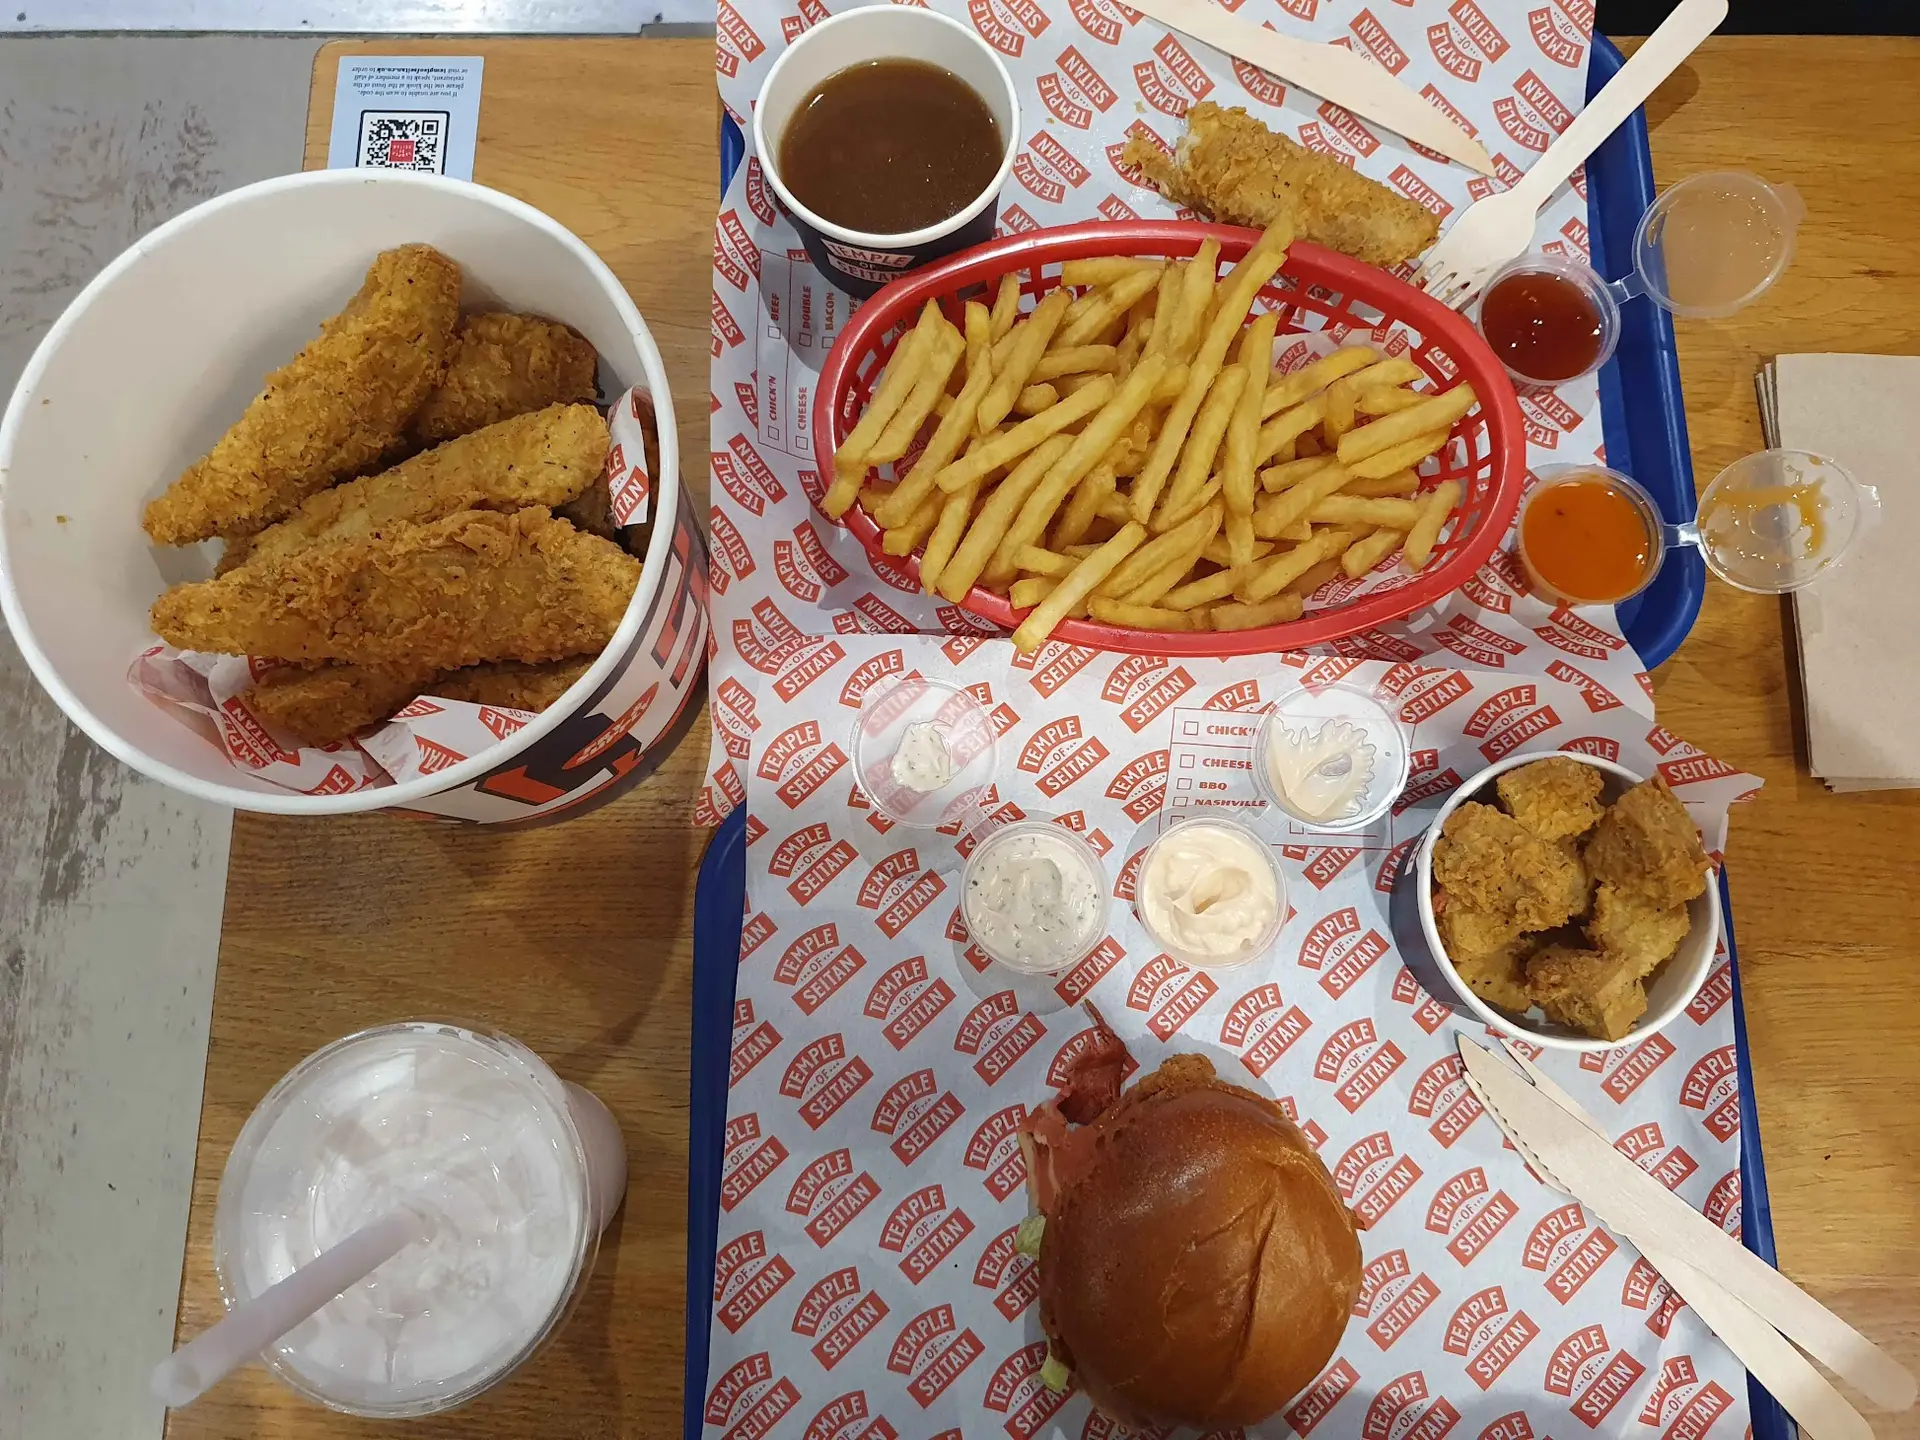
{"x":1492,"y":863}
{"x":547,"y":458}
{"x":1231,"y":167}
{"x":505,"y":365}
{"x":1597,"y":993}
{"x":1647,"y":847}
{"x":1556,"y":798}
{"x":336,"y":409}
{"x":1644,"y":934}
{"x":1488,"y":954}
{"x":337,"y":702}
{"x":476,"y":586}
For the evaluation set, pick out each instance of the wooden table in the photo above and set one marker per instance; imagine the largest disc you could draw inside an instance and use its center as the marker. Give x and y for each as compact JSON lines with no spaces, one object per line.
{"x":577,"y":939}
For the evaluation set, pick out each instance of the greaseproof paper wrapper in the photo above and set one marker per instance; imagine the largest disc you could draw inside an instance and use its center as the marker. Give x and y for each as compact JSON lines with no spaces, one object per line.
{"x":866,"y":1282}
{"x":1089,"y":73}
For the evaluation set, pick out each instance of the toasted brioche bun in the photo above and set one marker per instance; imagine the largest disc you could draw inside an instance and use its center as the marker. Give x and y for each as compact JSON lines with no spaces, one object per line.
{"x":1197,"y":1266}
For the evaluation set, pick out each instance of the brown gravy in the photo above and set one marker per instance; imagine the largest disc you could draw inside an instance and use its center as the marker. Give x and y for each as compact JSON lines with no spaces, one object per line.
{"x":889,"y":146}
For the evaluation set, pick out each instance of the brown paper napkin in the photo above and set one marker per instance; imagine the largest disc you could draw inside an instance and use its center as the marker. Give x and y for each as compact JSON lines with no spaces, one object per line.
{"x":1859,"y":646}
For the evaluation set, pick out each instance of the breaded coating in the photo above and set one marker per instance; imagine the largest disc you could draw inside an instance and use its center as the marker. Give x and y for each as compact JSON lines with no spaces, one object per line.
{"x":476,"y":586}
{"x":506,"y":365}
{"x":1234,"y":169}
{"x":337,"y":408}
{"x":1556,"y":798}
{"x":1647,"y":848}
{"x":1487,"y":860}
{"x":512,"y":686}
{"x":546,"y":458}
{"x":336,"y":702}
{"x":1488,"y":954}
{"x":1644,"y":934}
{"x":592,"y":510}
{"x":1600,"y":994}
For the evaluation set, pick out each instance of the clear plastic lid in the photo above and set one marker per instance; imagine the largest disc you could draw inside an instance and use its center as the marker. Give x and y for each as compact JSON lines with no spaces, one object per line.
{"x":1777,"y":520}
{"x":1332,"y":756}
{"x":923,"y":752}
{"x":1714,"y":242}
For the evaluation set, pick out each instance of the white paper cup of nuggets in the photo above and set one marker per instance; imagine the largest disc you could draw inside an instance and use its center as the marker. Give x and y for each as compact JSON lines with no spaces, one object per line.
{"x":1564,"y":901}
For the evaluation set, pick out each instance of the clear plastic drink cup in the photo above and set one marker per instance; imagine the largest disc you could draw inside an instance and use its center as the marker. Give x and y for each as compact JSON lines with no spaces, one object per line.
{"x":513,"y":1171}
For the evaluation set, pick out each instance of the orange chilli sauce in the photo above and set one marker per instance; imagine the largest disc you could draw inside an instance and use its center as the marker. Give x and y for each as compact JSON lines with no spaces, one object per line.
{"x":1586,"y":541}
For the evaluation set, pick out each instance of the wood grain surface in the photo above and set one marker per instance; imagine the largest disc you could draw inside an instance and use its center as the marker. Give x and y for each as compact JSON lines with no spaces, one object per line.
{"x":577,"y":938}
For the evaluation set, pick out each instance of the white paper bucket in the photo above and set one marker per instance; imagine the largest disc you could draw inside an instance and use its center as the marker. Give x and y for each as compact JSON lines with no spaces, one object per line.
{"x":163,"y":351}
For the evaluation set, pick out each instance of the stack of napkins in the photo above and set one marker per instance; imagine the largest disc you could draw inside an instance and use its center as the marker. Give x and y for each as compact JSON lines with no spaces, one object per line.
{"x":1859,"y":644}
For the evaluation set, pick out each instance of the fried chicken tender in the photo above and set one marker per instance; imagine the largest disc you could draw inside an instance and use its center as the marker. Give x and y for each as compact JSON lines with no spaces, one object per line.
{"x":505,"y":365}
{"x":473,"y":587}
{"x":1490,"y":955}
{"x":592,"y":510}
{"x":547,"y":458}
{"x":1556,"y":798}
{"x":1647,"y":848}
{"x":1231,"y":167}
{"x":1490,"y":862}
{"x":1633,"y":930}
{"x":337,"y":408}
{"x":1598,"y":993}
{"x":336,"y":702}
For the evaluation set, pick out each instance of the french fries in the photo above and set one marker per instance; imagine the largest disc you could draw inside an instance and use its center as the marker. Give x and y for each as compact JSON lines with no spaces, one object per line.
{"x":1240,"y":616}
{"x":1363,"y":555}
{"x":1425,"y":533}
{"x":1140,"y":617}
{"x":1006,"y":305}
{"x":1125,"y":451}
{"x":1027,"y":593}
{"x":990,"y":525}
{"x":1029,"y":337}
{"x":1436,"y":412}
{"x":1089,"y":573}
{"x":1237,"y":482}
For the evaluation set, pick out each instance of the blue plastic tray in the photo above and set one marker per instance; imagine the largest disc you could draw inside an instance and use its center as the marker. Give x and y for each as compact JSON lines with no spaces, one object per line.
{"x":1641,"y":415}
{"x":719,"y":906}
{"x":1647,"y":439}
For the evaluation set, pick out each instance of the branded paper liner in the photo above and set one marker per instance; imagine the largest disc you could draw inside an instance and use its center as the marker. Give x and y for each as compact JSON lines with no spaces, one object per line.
{"x":1090,"y":73}
{"x":881,"y":1066}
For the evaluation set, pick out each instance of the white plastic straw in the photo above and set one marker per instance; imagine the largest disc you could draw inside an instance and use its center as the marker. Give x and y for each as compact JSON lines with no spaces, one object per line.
{"x":252,"y":1326}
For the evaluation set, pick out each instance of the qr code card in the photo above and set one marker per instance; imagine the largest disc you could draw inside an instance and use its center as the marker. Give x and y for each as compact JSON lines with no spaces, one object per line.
{"x":406,"y":112}
{"x":403,"y":140}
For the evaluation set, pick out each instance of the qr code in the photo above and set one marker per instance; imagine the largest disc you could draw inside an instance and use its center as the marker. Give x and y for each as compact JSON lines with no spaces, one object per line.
{"x":404,"y":140}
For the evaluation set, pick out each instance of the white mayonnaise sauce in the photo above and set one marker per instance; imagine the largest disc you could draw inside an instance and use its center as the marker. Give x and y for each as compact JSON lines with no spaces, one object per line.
{"x":1207,"y":890}
{"x":923,"y":763}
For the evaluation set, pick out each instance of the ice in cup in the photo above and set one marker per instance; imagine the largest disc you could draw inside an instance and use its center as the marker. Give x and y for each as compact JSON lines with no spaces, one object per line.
{"x":513,"y":1171}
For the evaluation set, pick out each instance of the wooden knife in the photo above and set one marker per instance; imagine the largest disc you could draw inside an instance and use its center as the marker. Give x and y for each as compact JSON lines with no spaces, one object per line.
{"x":1332,"y":72}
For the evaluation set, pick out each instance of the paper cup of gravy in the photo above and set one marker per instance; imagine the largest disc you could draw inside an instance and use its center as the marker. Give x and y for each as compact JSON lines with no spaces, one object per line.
{"x":887,"y":133}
